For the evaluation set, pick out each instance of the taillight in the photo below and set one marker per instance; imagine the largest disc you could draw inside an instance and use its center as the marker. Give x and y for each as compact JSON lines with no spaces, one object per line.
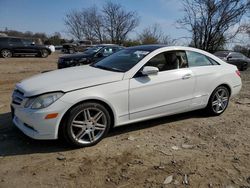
{"x":238,"y":73}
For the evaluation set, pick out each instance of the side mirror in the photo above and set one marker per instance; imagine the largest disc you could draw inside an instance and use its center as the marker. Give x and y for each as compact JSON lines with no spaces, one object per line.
{"x":33,"y":43}
{"x":149,"y":70}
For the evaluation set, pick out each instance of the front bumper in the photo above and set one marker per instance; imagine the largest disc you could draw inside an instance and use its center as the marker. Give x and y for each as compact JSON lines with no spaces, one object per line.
{"x":33,"y":123}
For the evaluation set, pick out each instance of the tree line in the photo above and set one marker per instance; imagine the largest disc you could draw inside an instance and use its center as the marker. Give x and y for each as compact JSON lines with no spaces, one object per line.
{"x":210,"y":24}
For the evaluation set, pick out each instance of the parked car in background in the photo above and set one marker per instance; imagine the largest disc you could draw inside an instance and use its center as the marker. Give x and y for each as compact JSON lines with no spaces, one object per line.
{"x":135,"y":84}
{"x":58,"y":48}
{"x":52,"y":48}
{"x":235,"y":58}
{"x":91,"y":55}
{"x":13,"y":46}
{"x":78,"y":46}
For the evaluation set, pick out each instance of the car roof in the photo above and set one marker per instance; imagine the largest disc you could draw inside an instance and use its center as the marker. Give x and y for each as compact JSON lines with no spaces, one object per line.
{"x":150,"y":47}
{"x":104,"y":45}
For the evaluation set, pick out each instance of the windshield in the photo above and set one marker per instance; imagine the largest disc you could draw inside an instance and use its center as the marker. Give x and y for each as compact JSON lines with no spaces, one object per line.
{"x":93,"y":50}
{"x":121,"y":61}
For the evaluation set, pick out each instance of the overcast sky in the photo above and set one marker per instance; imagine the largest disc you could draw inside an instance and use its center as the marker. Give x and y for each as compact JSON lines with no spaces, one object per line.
{"x":47,"y":15}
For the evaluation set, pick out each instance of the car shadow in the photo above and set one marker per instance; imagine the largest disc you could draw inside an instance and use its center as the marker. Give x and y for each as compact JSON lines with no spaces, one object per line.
{"x":155,"y":122}
{"x":14,"y":142}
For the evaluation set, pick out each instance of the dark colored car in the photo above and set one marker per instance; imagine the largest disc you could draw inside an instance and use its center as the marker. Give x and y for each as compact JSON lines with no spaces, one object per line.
{"x":234,"y":58}
{"x":78,"y":46}
{"x":91,"y":55}
{"x":11,"y":46}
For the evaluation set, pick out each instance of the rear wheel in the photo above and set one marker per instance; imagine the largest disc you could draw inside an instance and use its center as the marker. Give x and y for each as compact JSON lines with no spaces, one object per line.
{"x":86,"y":124}
{"x":44,"y":53}
{"x":218,"y":101}
{"x":5,"y":53}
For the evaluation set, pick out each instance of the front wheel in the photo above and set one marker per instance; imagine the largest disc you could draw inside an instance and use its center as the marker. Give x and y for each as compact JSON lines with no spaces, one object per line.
{"x":86,"y":124}
{"x":218,"y":101}
{"x":5,"y":53}
{"x":44,"y":53}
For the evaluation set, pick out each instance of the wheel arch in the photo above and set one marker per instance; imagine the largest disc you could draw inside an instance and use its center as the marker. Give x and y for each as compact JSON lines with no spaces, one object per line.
{"x":104,"y":103}
{"x":222,"y":84}
{"x":227,"y":86}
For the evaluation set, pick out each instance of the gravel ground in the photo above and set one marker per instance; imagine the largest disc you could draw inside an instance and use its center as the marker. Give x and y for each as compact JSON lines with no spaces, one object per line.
{"x":186,"y":150}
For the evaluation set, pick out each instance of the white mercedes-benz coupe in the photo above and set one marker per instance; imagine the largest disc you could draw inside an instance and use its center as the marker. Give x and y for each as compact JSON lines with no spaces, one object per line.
{"x":135,"y":84}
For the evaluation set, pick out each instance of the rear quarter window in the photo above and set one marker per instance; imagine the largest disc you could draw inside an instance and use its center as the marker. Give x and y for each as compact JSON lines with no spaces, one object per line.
{"x":196,"y":59}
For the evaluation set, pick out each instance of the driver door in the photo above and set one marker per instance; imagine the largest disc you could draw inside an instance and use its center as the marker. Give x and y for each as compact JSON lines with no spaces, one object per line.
{"x":168,"y":92}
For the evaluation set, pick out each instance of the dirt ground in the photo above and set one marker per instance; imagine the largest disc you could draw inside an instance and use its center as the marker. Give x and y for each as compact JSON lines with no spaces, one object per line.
{"x":186,"y":150}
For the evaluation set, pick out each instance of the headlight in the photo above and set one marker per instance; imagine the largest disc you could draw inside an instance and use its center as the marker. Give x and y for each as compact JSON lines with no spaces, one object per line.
{"x":42,"y":101}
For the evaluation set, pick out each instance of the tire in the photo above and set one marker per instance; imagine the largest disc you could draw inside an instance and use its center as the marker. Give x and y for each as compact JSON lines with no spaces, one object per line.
{"x":86,"y":124}
{"x":218,"y":101}
{"x":44,"y":53}
{"x":5,"y":53}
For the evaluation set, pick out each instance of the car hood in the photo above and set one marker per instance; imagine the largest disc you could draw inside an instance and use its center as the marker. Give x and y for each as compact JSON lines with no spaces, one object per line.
{"x":76,"y":56}
{"x":67,"y":80}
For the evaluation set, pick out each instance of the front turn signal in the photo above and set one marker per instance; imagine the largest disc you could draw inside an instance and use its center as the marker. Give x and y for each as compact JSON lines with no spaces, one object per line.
{"x":51,"y":116}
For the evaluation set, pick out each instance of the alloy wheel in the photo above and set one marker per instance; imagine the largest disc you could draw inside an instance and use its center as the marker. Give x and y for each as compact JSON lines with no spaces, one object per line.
{"x":44,"y":53}
{"x":88,"y":125}
{"x":220,"y":100}
{"x":6,"y":53}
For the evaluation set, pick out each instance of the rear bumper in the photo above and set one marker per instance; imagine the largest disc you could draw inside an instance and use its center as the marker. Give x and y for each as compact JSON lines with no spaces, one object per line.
{"x":236,"y":89}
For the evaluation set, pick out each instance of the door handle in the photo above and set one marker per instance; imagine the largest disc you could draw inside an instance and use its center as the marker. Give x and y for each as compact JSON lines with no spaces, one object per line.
{"x":186,"y":76}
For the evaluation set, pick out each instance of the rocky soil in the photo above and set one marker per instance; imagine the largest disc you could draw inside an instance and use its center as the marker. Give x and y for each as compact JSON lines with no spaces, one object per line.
{"x":186,"y":150}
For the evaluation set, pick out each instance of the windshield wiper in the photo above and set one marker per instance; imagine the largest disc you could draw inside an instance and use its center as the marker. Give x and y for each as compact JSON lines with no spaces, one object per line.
{"x":108,"y":68}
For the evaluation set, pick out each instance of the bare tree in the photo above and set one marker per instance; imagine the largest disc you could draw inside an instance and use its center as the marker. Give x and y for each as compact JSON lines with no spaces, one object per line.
{"x":74,"y":22}
{"x":150,"y":35}
{"x":211,"y":22}
{"x":118,"y":22}
{"x":113,"y":23}
{"x":154,"y":35}
{"x":93,"y":25}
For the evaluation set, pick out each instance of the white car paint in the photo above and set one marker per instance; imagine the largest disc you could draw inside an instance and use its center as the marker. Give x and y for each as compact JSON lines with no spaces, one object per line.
{"x":52,"y":48}
{"x":130,"y":99}
{"x":67,"y":79}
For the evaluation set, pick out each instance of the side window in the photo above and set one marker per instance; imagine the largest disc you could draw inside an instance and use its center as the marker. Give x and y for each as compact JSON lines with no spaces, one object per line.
{"x":213,"y":61}
{"x":182,"y":59}
{"x":158,"y":61}
{"x":169,"y":60}
{"x":196,"y":59}
{"x":15,"y":41}
{"x":236,"y":55}
{"x":27,"y":42}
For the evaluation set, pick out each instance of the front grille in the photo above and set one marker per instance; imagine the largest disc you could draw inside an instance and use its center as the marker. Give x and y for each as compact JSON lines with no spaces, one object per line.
{"x":17,"y":97}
